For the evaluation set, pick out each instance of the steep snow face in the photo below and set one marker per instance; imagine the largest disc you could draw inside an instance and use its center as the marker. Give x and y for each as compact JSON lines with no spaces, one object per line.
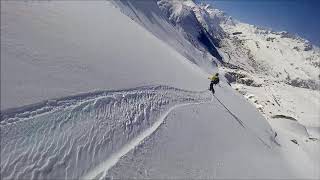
{"x":182,"y":16}
{"x":210,"y":21}
{"x":179,"y":14}
{"x":54,"y":49}
{"x":150,"y":16}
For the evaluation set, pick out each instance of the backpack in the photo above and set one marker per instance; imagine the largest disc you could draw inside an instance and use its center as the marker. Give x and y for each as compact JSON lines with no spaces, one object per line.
{"x":216,"y":81}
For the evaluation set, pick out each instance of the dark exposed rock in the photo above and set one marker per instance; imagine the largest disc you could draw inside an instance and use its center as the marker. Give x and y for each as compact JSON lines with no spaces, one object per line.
{"x":284,"y":117}
{"x":270,"y":39}
{"x":231,"y":66}
{"x":304,"y":83}
{"x":209,"y":43}
{"x":307,"y":47}
{"x":236,"y":33}
{"x":233,"y":77}
{"x":316,"y":64}
{"x":248,"y":82}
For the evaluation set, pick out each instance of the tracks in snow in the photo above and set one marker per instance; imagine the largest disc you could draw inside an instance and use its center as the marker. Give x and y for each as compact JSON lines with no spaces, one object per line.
{"x":101,"y":170}
{"x":66,"y":138}
{"x":244,"y":126}
{"x":233,"y":115}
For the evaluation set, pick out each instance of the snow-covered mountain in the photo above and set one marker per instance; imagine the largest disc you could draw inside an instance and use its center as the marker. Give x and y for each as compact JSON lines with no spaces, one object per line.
{"x":277,"y":71}
{"x":118,"y":89}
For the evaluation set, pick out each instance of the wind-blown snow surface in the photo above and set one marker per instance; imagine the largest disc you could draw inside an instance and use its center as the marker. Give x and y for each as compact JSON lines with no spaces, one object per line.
{"x":64,"y":138}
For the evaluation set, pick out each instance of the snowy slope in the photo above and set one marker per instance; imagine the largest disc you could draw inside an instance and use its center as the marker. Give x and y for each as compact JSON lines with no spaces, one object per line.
{"x":117,"y":89}
{"x":232,"y":154}
{"x":273,"y":70}
{"x":49,"y":52}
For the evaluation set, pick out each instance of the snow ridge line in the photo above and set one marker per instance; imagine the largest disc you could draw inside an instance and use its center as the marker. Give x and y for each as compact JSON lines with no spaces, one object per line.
{"x":13,"y":114}
{"x":114,"y":158}
{"x":88,"y":128}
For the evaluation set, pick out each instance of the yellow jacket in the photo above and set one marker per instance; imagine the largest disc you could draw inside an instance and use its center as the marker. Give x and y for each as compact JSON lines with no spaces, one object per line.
{"x":213,"y":78}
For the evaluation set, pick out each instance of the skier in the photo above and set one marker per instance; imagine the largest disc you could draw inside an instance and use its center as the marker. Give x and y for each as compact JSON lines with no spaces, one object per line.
{"x":214,"y":80}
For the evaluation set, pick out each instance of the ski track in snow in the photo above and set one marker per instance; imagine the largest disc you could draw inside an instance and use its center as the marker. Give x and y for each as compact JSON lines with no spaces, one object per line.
{"x":69,"y":137}
{"x":234,"y":116}
{"x":243,"y":125}
{"x":102,"y":169}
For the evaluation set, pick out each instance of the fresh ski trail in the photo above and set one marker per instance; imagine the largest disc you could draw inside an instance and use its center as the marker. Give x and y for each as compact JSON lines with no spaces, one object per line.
{"x":243,"y":125}
{"x":193,"y":144}
{"x":114,"y":158}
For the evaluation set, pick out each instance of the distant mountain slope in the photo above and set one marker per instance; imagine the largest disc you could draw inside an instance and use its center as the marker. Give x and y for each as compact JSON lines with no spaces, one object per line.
{"x":278,"y":69}
{"x":175,"y":24}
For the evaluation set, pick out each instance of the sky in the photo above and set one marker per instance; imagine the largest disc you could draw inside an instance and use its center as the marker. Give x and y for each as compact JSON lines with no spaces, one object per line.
{"x":300,"y":17}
